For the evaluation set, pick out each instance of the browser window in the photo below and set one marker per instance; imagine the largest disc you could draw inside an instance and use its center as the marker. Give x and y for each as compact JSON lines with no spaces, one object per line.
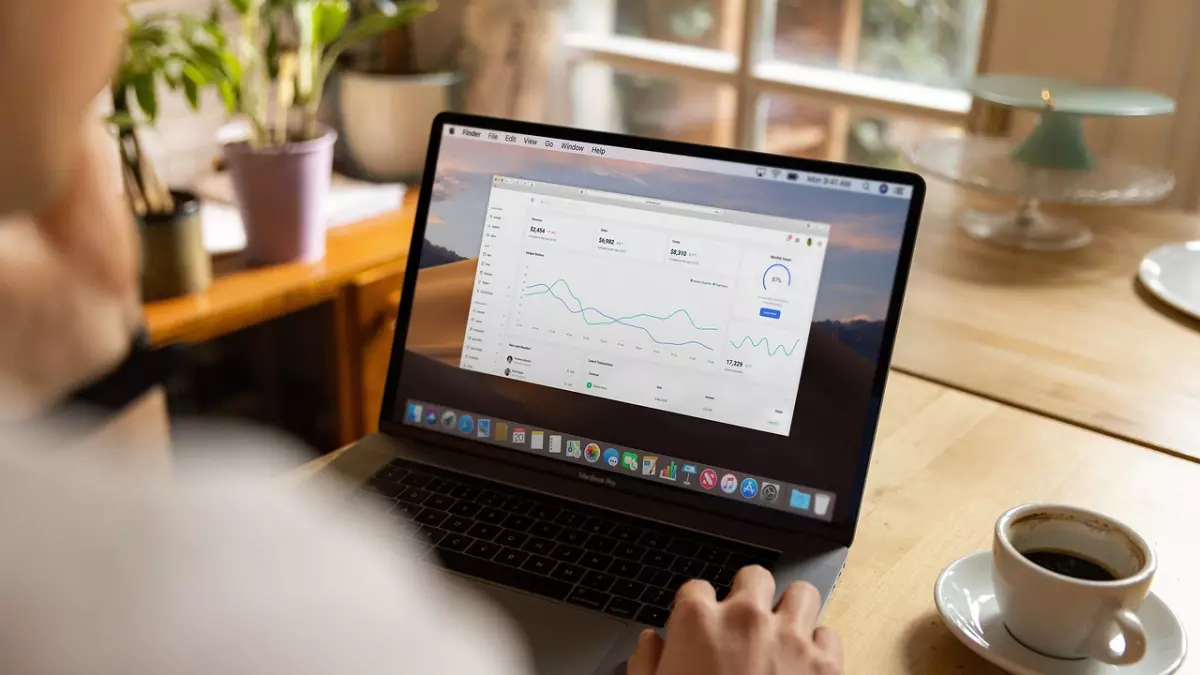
{"x":673,"y":306}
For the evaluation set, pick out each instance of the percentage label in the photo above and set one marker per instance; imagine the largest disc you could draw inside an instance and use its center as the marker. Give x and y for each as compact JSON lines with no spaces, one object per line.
{"x":776,"y":280}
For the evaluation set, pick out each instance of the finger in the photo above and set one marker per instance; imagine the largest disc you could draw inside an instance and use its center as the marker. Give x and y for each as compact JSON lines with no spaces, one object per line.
{"x":649,"y":650}
{"x":754,"y":583}
{"x":698,"y":591}
{"x":800,"y":606}
{"x":828,"y":641}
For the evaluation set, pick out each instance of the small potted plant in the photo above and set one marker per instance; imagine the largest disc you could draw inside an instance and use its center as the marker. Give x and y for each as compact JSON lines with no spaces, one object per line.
{"x":184,"y":53}
{"x":387,"y":101}
{"x":285,"y":52}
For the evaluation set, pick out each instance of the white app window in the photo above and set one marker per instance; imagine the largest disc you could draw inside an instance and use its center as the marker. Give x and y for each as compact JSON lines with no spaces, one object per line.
{"x":676,"y":307}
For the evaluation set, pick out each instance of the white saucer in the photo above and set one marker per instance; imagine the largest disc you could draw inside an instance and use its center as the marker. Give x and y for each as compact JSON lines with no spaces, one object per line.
{"x":964,"y":597}
{"x":1172,"y":273}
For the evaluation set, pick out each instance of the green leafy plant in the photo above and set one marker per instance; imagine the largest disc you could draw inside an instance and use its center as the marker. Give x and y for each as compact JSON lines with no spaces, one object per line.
{"x":390,"y":52}
{"x":294,"y":44}
{"x":185,"y":53}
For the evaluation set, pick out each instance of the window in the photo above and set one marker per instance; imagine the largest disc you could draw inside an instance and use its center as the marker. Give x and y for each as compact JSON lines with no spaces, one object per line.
{"x":859,"y":80}
{"x":851,"y":80}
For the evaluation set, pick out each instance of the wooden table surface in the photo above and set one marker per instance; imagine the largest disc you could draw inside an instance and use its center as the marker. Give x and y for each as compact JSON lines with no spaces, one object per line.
{"x":1070,"y":335}
{"x":242,"y":295}
{"x":946,"y":465}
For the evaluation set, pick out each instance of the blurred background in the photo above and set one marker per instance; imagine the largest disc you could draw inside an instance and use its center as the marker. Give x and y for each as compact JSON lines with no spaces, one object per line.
{"x":844,"y":80}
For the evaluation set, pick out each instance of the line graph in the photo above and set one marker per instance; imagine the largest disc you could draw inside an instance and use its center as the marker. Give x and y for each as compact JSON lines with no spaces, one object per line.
{"x":582,"y":311}
{"x":771,"y":351}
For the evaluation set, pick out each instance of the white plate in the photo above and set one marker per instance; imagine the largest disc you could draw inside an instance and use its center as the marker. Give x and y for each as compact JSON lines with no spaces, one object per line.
{"x":1173,"y":274}
{"x":964,"y":597}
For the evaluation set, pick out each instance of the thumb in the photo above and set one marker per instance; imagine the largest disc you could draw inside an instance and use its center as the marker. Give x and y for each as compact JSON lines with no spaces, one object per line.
{"x":645,"y":660}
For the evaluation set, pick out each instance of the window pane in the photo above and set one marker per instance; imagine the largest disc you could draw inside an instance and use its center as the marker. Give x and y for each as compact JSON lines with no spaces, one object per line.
{"x":933,"y":42}
{"x":796,"y":128}
{"x":681,"y":110}
{"x":802,"y":129}
{"x":699,"y":23}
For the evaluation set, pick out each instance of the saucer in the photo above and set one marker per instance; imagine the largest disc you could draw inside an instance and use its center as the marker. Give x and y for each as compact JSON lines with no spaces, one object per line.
{"x":1173,"y":274}
{"x":965,"y":599}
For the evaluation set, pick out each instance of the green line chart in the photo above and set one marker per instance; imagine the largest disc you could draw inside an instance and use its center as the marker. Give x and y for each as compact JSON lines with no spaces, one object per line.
{"x":582,"y":311}
{"x":771,"y":351}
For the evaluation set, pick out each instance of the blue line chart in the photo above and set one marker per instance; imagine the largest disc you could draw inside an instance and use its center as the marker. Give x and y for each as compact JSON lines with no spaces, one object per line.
{"x":548,"y":289}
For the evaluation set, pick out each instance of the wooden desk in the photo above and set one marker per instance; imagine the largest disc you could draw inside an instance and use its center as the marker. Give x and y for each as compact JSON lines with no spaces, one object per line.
{"x":361,"y":274}
{"x":1070,"y":335}
{"x":946,"y":465}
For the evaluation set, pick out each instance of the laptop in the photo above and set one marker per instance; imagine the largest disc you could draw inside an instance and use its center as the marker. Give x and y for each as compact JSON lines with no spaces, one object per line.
{"x":622,"y":363}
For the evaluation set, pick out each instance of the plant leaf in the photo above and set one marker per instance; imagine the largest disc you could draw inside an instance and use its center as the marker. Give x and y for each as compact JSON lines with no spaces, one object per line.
{"x":192,"y":91}
{"x":228,"y":96}
{"x":329,"y":18}
{"x":147,"y":96}
{"x":122,"y":120}
{"x":376,"y":24}
{"x":209,"y":56}
{"x":373,"y":25}
{"x":242,"y":7}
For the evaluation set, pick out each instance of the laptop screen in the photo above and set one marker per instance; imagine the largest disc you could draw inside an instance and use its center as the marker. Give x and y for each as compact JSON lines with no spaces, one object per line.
{"x":701,"y":324}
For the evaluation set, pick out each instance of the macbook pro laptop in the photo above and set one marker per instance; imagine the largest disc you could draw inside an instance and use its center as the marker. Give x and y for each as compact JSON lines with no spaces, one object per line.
{"x":623,"y":363}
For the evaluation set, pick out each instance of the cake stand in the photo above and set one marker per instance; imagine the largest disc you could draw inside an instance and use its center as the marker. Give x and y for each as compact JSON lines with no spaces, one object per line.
{"x":1052,"y":165}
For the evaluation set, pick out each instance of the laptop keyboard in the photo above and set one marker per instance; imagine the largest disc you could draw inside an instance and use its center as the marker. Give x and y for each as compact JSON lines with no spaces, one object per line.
{"x":584,"y":555}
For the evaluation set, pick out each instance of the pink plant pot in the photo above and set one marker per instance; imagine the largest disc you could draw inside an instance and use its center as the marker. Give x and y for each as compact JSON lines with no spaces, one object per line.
{"x":281,"y":192}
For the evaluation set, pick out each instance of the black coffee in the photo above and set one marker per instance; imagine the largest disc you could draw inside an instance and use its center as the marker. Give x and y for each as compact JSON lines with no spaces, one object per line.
{"x":1069,"y":564}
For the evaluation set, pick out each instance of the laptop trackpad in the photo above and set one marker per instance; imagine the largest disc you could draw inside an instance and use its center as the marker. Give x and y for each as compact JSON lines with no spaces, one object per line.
{"x":563,"y":639}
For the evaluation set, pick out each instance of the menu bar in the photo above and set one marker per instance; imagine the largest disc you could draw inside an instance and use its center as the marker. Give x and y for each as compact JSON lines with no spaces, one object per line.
{"x":777,"y":174}
{"x":598,"y":455}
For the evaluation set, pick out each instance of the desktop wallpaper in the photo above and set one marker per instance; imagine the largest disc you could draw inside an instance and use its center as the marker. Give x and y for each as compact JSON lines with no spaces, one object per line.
{"x":844,"y":343}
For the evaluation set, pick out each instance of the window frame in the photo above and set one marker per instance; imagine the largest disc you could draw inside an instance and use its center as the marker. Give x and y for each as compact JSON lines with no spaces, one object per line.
{"x":744,"y":70}
{"x":1118,"y":42}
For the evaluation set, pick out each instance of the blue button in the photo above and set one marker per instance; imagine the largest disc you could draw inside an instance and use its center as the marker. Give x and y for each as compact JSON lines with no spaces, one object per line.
{"x":749,"y":488}
{"x":769,"y":313}
{"x":800,"y":500}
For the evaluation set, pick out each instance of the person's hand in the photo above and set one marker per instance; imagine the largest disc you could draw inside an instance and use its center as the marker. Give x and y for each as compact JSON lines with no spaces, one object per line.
{"x":743,"y":635}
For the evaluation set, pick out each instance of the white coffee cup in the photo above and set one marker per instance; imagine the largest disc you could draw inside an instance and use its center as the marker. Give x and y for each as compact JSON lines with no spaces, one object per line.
{"x":1063,"y":616}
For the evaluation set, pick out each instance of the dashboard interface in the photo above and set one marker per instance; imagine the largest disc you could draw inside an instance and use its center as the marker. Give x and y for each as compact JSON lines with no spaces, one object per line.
{"x":725,"y":316}
{"x":678,"y":307}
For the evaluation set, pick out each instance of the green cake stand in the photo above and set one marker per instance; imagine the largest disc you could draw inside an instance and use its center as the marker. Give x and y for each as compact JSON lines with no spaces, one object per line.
{"x":1052,"y":165}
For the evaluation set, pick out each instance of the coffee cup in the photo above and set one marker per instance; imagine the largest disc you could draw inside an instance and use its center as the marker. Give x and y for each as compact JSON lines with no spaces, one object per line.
{"x":1068,"y":582}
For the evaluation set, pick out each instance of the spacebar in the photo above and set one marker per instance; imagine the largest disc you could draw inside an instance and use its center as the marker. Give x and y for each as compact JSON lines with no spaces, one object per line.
{"x":505,"y":576}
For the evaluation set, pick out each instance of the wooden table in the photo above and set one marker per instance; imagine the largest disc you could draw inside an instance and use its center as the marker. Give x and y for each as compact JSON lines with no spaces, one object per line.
{"x":1069,"y":335}
{"x":946,"y":465}
{"x":361,"y":272}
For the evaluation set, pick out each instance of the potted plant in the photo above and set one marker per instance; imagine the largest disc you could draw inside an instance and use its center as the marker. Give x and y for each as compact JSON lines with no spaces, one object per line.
{"x":387,"y":101}
{"x":184,"y":53}
{"x":285,"y":51}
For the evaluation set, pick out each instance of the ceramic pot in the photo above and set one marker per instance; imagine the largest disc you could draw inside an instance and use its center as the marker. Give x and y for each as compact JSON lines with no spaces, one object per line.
{"x":281,"y":192}
{"x":174,"y":261}
{"x":386,"y":120}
